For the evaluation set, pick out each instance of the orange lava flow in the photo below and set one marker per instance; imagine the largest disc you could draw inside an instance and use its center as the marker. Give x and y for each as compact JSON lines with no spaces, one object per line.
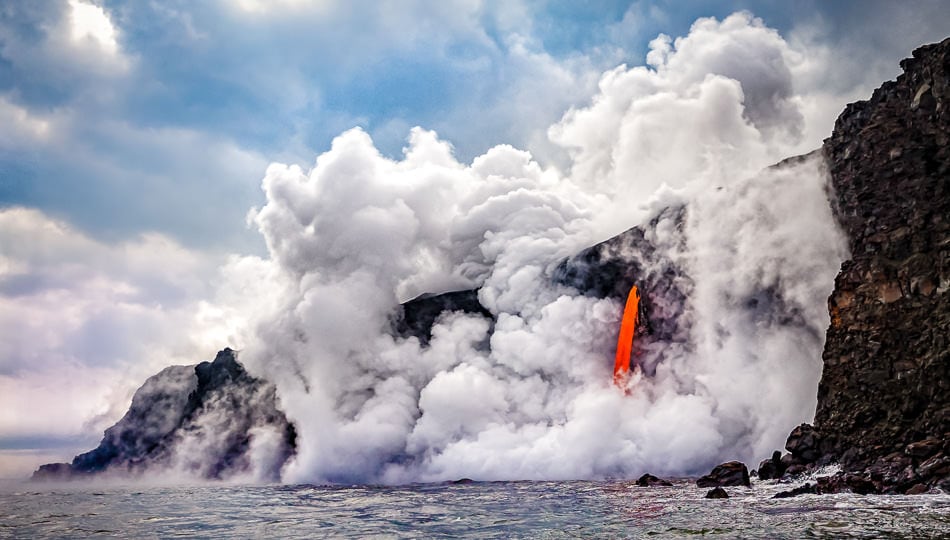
{"x":625,"y":342}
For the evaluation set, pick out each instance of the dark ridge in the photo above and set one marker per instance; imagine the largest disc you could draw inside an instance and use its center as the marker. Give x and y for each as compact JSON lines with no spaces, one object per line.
{"x":609,"y":269}
{"x":417,"y":316}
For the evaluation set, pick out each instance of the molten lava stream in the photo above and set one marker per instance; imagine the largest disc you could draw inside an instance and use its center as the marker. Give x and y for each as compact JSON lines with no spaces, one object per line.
{"x":625,"y":341}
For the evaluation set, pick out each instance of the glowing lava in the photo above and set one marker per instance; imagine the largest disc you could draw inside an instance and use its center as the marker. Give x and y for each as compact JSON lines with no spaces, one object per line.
{"x":625,"y":341}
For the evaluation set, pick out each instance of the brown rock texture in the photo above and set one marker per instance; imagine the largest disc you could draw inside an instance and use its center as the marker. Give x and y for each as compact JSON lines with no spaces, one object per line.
{"x":884,"y":397}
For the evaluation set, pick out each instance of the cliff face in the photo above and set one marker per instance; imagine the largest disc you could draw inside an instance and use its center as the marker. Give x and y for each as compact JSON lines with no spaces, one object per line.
{"x":212,"y":420}
{"x":884,"y":397}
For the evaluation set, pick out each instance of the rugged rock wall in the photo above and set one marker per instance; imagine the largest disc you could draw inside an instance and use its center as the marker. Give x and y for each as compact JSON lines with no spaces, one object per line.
{"x":212,"y":420}
{"x":884,"y":397}
{"x":886,"y":380}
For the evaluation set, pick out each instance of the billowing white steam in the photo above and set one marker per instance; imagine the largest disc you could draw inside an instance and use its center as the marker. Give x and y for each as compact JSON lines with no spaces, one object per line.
{"x":359,"y":233}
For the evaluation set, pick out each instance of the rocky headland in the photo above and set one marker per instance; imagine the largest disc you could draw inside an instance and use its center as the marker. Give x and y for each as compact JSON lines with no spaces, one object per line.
{"x":212,"y":420}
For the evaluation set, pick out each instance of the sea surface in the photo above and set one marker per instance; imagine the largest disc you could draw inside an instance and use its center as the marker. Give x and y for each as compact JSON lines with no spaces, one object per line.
{"x":576,"y":509}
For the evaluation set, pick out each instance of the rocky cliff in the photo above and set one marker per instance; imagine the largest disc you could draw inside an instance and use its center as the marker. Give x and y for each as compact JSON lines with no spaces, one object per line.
{"x":884,"y":397}
{"x":212,"y":420}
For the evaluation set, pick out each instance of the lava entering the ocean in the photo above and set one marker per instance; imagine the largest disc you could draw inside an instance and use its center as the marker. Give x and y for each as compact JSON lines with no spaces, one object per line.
{"x":628,"y":326}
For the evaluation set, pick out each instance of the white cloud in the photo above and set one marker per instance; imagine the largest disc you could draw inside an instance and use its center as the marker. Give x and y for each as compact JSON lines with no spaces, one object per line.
{"x":21,"y":127}
{"x":267,"y":6}
{"x":90,"y":22}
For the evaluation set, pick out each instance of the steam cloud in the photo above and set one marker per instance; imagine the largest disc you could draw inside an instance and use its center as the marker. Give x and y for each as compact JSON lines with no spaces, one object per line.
{"x":532,"y":397}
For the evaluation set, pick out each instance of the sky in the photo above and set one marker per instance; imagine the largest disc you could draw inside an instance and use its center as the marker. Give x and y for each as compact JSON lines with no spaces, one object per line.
{"x":137,"y":141}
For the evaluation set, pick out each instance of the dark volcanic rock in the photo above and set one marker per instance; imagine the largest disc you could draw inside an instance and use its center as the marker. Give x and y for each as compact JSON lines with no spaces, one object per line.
{"x":606,"y":270}
{"x":204,"y":421}
{"x":924,"y":449}
{"x":635,"y":257}
{"x":648,"y":480}
{"x":640,"y":256}
{"x":838,"y":483}
{"x":803,"y":444}
{"x":717,"y":493}
{"x":771,"y":468}
{"x":417,"y":316}
{"x":732,"y":473}
{"x":885,"y":388}
{"x":795,"y":492}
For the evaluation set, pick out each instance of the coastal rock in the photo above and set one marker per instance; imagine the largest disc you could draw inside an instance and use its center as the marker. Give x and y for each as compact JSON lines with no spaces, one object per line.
{"x":924,"y":449}
{"x":212,"y":421}
{"x":772,"y":467}
{"x":802,"y":443}
{"x":837,"y":483}
{"x":732,"y":473}
{"x":717,"y":493}
{"x":805,"y":489}
{"x":795,"y":469}
{"x":648,"y":480}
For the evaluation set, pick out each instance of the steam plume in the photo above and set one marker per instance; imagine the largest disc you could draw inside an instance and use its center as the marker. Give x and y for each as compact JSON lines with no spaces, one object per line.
{"x":531,"y":398}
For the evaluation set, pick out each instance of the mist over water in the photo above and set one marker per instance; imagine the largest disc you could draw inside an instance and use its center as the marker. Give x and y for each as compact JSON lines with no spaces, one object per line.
{"x":531,"y":397}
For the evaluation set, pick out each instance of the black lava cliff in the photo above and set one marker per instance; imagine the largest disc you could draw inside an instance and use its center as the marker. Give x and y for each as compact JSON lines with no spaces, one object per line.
{"x":884,"y":398}
{"x":202,"y":421}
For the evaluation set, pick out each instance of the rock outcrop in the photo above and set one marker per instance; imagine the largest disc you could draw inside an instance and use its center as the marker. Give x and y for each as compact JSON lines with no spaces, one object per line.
{"x":212,"y":420}
{"x":648,"y":480}
{"x":417,"y":316}
{"x":731,"y":473}
{"x":771,"y":468}
{"x":884,"y":397}
{"x":638,"y":256}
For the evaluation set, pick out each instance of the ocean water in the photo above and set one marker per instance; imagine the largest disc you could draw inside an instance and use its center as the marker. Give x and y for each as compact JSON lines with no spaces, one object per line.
{"x":575,"y":509}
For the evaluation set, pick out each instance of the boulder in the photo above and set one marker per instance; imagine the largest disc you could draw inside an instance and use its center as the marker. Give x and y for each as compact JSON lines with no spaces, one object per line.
{"x":771,"y":468}
{"x":924,"y":449}
{"x":717,"y":493}
{"x":648,"y":480}
{"x":732,"y":473}
{"x":794,"y":470}
{"x":803,"y":443}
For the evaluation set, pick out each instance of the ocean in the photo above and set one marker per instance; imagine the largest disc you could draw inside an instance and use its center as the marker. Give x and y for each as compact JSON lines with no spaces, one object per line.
{"x":527,"y":509}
